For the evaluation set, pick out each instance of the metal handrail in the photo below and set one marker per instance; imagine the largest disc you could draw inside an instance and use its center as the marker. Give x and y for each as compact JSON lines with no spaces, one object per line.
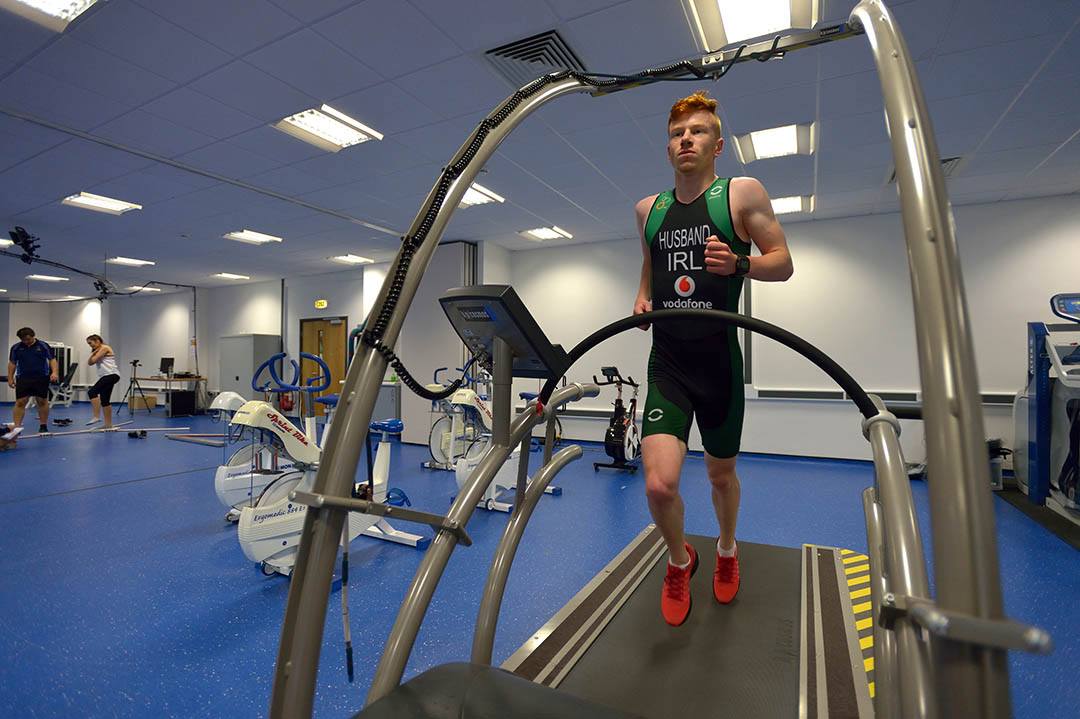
{"x":966,"y":570}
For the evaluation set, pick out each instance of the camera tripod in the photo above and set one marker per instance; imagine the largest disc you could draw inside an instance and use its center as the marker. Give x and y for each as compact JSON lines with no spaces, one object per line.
{"x":132,"y":388}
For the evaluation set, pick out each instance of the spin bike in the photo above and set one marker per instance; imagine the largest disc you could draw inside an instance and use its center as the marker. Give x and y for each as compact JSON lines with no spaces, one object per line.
{"x":464,"y":429}
{"x":269,"y":530}
{"x":622,"y":441}
{"x":254,"y":465}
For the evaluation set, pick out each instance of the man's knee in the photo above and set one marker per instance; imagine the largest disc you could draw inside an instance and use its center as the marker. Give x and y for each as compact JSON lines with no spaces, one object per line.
{"x":661,"y":487}
{"x":722,"y":473}
{"x":21,"y":402}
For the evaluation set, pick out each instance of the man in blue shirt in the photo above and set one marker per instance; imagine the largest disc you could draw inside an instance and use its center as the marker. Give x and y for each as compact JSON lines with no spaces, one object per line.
{"x":31,"y":367}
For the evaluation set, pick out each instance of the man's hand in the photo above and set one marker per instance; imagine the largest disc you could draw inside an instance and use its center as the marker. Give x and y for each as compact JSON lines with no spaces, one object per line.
{"x":54,"y":378}
{"x":719,"y":259}
{"x":11,"y":381}
{"x":643,"y":305}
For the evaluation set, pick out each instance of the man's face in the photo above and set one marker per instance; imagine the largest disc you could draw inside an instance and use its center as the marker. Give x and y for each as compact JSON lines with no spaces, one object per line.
{"x":692,"y":141}
{"x":29,"y":340}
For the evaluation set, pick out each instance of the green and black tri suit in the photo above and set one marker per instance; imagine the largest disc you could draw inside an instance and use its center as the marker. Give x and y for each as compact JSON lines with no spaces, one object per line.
{"x":694,"y":366}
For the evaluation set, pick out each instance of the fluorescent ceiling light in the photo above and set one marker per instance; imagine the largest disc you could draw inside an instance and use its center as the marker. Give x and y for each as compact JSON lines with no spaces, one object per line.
{"x":136,"y":288}
{"x":795,"y":203}
{"x":53,"y":14}
{"x":776,"y":142}
{"x":97,"y":203}
{"x":719,"y":23}
{"x":2,"y":289}
{"x":72,"y":297}
{"x":47,"y":278}
{"x":230,"y":276}
{"x":479,"y":195}
{"x":351,"y":259}
{"x":251,"y":237}
{"x":327,"y":128}
{"x":6,"y":243}
{"x":130,"y":261}
{"x":546,"y":233}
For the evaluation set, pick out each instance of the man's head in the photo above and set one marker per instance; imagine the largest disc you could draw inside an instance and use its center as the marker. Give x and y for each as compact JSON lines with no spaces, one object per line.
{"x":94,"y":341}
{"x":694,"y":136}
{"x":26,"y":335}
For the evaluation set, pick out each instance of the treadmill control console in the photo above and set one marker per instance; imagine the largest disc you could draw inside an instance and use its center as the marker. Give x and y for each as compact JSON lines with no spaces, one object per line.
{"x":481,"y":313}
{"x":1066,"y":306}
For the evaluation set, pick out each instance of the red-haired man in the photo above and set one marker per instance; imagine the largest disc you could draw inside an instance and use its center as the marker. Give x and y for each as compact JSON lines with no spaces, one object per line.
{"x":696,"y":240}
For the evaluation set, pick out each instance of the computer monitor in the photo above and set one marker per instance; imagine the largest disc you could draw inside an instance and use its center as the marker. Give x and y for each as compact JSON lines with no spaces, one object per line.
{"x":166,"y":365}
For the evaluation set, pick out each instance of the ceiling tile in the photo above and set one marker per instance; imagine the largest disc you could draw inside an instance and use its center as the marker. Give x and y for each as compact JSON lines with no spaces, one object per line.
{"x":1019,"y":160}
{"x":570,"y":9}
{"x":236,"y":26}
{"x":23,"y":140}
{"x":228,"y":159}
{"x":71,"y":167}
{"x":198,"y":112}
{"x":837,"y":182}
{"x":456,"y":87}
{"x":1016,"y":132}
{"x":311,"y":10}
{"x":143,"y":38}
{"x":276,"y":145}
{"x":993,"y":22}
{"x":309,"y":62}
{"x":143,"y":131}
{"x":985,"y":68}
{"x":362,"y":32}
{"x":246,"y":88}
{"x":484,"y":24}
{"x":387,"y":108}
{"x":22,"y":37}
{"x":602,"y":48}
{"x":57,"y":101}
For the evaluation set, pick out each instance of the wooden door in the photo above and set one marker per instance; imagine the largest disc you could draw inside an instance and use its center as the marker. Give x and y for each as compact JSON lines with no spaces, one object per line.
{"x":327,"y":339}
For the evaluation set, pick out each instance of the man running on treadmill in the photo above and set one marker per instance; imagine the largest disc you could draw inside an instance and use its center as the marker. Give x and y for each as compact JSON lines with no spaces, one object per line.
{"x":696,"y":245}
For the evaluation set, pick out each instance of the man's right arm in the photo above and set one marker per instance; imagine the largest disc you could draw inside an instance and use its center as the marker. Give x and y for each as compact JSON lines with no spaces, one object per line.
{"x":643,"y":301}
{"x":11,"y":373}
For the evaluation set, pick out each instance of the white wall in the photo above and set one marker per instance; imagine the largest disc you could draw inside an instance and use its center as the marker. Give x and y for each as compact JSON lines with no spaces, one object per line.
{"x":494,"y":262}
{"x":343,"y":291}
{"x":235,"y":310}
{"x":850,"y":296}
{"x":71,"y":323}
{"x":149,"y":328}
{"x":427,"y":339}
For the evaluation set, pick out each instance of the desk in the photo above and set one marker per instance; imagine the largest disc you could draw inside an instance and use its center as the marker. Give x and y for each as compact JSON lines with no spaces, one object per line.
{"x":168,"y":389}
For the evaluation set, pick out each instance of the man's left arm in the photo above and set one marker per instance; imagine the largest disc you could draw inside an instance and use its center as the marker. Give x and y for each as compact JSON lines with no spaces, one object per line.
{"x":759,"y":221}
{"x":54,"y":370}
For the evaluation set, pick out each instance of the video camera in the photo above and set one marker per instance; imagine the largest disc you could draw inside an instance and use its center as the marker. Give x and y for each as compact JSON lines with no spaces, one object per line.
{"x":26,"y":242}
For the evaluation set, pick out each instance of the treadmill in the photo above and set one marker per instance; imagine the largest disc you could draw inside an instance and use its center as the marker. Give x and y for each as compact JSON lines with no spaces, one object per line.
{"x":790,"y":639}
{"x":940,"y":655}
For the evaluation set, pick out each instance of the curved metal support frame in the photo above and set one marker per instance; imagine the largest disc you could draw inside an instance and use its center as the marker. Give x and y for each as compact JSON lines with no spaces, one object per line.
{"x":965,"y":553}
{"x":488,"y":616}
{"x":972,"y":681}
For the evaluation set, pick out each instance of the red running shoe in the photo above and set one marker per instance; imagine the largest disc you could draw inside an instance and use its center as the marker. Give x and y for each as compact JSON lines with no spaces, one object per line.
{"x":675,"y":597}
{"x":725,"y":583}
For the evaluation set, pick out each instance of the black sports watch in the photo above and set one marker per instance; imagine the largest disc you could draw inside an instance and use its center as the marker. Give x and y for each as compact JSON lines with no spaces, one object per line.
{"x":742,"y":266}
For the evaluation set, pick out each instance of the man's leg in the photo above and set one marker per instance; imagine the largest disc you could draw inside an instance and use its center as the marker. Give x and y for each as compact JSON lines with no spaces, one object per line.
{"x":725,"y":496}
{"x":43,"y":410}
{"x":662,"y":456}
{"x":20,"y":410}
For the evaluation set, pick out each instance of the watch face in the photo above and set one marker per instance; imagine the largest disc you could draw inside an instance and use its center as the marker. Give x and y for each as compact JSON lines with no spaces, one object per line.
{"x":742,"y":265}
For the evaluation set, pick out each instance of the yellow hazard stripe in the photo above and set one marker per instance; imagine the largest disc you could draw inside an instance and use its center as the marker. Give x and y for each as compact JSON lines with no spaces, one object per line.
{"x":864,"y":623}
{"x":871,"y":690}
{"x":858,"y":569}
{"x":864,"y":607}
{"x":855,"y":581}
{"x":846,"y":552}
{"x":859,"y":593}
{"x":866,"y":642}
{"x":850,"y":558}
{"x":868,"y":664}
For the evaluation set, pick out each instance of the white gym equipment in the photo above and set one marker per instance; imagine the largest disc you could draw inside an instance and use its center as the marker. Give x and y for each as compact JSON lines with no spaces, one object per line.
{"x":269,"y":528}
{"x":463,"y":430}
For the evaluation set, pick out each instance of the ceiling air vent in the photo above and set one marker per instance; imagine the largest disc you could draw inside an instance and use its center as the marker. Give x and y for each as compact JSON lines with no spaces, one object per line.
{"x":948,"y":167}
{"x":522,"y":61}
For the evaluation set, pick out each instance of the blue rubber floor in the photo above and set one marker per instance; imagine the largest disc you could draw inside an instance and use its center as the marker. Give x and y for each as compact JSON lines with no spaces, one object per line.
{"x":123,"y":592}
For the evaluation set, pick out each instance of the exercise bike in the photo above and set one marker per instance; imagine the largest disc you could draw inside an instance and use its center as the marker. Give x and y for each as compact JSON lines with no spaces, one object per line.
{"x":464,"y":427}
{"x":622,"y":441}
{"x":269,"y":530}
{"x":254,"y":465}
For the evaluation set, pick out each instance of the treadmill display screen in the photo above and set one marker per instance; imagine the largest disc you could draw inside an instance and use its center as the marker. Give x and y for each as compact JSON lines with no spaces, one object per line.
{"x":1066,"y":306}
{"x":474,"y":314}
